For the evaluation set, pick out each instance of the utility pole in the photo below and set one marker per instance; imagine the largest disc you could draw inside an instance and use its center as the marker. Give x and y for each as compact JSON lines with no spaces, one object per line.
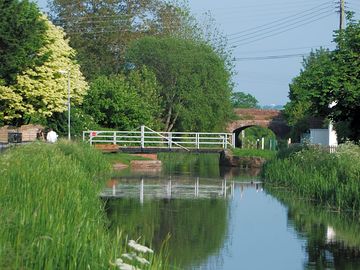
{"x":342,"y":14}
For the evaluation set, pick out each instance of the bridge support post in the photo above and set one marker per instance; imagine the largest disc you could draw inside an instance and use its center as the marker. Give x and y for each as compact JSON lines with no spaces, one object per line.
{"x":114,"y":190}
{"x":225,"y":141}
{"x":170,"y":140}
{"x":197,"y":140}
{"x":142,"y":136}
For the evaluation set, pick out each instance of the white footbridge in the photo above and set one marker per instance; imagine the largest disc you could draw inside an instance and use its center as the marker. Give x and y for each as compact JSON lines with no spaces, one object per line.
{"x":148,"y":140}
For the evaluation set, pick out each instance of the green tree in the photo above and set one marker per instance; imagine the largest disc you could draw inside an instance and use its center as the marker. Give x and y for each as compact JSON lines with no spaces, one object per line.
{"x":124,"y":102}
{"x":40,"y":90}
{"x":196,"y":87}
{"x":100,"y":30}
{"x":243,"y":100}
{"x":330,"y":77}
{"x":22,"y":32}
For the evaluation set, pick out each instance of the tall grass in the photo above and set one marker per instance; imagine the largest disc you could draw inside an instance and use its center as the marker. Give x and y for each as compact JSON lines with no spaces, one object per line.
{"x":51,"y":216}
{"x":332,"y":179}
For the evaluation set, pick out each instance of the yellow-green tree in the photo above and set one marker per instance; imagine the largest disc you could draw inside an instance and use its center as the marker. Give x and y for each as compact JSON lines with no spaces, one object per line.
{"x":41,"y":90}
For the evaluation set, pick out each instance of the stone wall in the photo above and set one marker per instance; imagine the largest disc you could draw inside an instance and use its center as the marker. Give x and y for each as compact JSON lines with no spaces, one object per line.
{"x":228,"y":160}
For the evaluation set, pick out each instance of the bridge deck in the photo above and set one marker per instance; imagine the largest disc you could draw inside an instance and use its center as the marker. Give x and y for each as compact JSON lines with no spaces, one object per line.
{"x":150,"y":150}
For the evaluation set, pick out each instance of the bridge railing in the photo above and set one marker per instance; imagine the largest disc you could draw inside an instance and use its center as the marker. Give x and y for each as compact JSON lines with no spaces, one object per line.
{"x":147,"y":137}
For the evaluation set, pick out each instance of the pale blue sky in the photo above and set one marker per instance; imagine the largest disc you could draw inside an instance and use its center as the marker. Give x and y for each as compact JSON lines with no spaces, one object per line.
{"x":271,"y":28}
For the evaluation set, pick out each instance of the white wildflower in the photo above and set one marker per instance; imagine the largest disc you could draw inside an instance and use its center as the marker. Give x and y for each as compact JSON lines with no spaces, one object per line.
{"x":128,"y":256}
{"x":125,"y":266}
{"x":142,"y":260}
{"x":139,"y":248}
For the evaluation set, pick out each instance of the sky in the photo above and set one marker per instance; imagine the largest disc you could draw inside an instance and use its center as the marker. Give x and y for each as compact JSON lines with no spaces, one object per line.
{"x":268,"y":38}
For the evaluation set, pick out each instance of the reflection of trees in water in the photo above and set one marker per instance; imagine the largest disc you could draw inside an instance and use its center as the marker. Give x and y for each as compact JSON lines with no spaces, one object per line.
{"x":332,"y":239}
{"x":203,"y":165}
{"x":197,"y":227}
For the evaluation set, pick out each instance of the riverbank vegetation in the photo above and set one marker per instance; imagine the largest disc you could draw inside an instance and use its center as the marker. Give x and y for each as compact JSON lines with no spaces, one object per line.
{"x":317,"y":175}
{"x":328,"y":86}
{"x":187,"y":89}
{"x":51,"y":215}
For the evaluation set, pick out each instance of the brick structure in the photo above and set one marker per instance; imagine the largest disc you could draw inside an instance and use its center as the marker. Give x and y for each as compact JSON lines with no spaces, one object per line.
{"x":271,"y":119}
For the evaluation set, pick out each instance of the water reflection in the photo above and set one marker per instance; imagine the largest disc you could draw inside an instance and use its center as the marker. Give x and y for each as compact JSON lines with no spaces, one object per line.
{"x":332,"y":238}
{"x":197,"y":226}
{"x":168,"y":188}
{"x":232,"y":224}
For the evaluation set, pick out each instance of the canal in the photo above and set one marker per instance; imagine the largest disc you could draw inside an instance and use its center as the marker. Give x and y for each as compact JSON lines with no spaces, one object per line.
{"x":212,"y":218}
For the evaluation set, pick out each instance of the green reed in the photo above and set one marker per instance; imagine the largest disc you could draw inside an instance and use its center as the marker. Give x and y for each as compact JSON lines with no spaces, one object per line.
{"x":333,"y":179}
{"x":51,"y":216}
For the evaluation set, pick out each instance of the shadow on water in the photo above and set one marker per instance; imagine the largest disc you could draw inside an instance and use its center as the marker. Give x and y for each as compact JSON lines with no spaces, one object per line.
{"x":332,"y":238}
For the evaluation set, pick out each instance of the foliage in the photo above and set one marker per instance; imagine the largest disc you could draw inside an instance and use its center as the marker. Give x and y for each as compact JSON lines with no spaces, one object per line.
{"x":253,"y":136}
{"x":332,"y":179}
{"x":40,"y":90}
{"x":196,"y":88}
{"x":243,"y":100}
{"x":100,"y":31}
{"x":330,"y":78}
{"x":267,"y":154}
{"x":79,"y":121}
{"x":22,"y":32}
{"x":124,"y":102}
{"x":50,"y":211}
{"x":51,"y":215}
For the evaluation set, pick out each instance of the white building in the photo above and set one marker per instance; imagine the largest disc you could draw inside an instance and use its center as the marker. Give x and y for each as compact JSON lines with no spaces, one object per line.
{"x":321,"y":136}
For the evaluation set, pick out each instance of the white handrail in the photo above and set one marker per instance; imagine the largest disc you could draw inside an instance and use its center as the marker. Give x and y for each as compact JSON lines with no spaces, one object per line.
{"x":146,"y":137}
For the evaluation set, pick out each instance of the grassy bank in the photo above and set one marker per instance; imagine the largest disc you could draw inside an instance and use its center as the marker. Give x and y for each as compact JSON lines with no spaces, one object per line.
{"x":313,"y":173}
{"x":51,"y":216}
{"x":266,"y":154}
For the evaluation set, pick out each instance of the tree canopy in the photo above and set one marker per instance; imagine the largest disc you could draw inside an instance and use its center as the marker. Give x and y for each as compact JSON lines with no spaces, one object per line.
{"x":124,"y":102}
{"x":22,"y":32}
{"x":243,"y":100}
{"x":40,"y":90}
{"x":195,"y":83}
{"x":100,"y":30}
{"x":330,"y":78}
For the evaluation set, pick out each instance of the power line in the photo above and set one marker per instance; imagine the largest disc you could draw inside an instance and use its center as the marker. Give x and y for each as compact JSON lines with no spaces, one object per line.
{"x":278,"y":33}
{"x":270,"y":57}
{"x":287,"y":49}
{"x":282,"y":24}
{"x":279,"y":20}
{"x":272,"y":4}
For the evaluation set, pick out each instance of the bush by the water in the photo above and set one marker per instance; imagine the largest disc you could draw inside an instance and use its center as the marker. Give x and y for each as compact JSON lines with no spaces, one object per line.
{"x":313,"y":172}
{"x":51,"y":216}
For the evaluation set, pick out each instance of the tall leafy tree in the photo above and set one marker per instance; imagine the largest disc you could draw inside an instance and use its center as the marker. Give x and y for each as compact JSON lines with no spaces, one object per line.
{"x":195,"y":83}
{"x":124,"y":102}
{"x":330,"y":78}
{"x":22,"y":33}
{"x":243,"y":100}
{"x":100,"y":30}
{"x":41,"y":90}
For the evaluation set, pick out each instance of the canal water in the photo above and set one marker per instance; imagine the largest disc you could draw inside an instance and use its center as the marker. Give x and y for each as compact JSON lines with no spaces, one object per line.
{"x":221,"y":219}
